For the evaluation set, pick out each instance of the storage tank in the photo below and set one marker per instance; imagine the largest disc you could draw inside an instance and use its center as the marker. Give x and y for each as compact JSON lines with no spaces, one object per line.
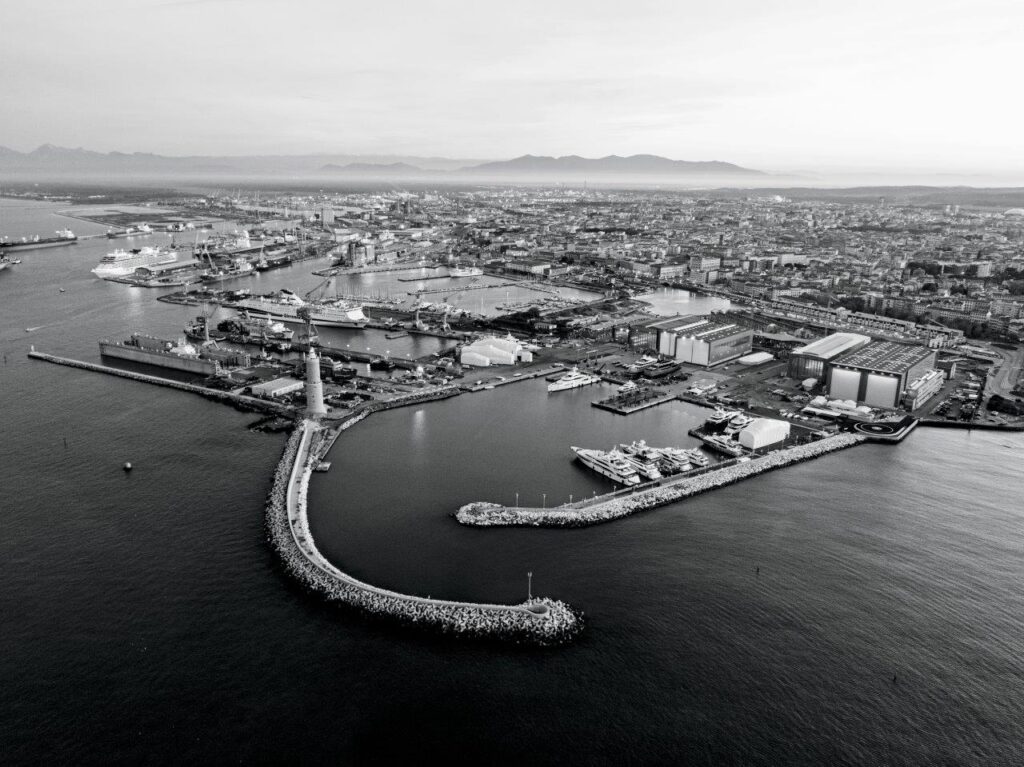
{"x":763,"y":432}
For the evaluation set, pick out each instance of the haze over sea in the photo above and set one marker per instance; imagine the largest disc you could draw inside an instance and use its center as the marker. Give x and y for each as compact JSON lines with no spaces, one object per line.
{"x":145,"y":620}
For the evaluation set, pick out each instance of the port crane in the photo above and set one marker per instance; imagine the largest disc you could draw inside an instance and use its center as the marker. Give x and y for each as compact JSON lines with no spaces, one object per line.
{"x":309,"y":333}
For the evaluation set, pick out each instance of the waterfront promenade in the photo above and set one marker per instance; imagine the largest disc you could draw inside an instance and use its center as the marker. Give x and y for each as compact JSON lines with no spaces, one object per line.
{"x":536,"y":621}
{"x":621,"y":503}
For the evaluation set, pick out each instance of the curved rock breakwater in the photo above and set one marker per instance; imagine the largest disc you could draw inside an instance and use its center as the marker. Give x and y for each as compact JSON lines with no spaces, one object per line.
{"x":537,"y":621}
{"x":606,"y":509}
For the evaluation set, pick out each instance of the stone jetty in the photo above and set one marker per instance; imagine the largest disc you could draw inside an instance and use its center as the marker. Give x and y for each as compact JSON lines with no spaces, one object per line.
{"x":623,"y":503}
{"x":536,"y":621}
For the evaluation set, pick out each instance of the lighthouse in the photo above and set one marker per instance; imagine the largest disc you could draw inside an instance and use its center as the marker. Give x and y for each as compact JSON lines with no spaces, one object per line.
{"x":314,"y":389}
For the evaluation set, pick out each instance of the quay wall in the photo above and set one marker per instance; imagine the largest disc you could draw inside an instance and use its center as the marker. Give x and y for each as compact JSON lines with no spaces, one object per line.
{"x":616,"y":506}
{"x":538,"y":621}
{"x":240,"y":401}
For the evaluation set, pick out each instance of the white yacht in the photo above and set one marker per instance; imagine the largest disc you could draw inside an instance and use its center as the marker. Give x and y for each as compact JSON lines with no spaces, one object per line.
{"x":612,"y":464}
{"x":644,"y":458}
{"x":120,"y":262}
{"x":457,"y":270}
{"x":573,"y":380}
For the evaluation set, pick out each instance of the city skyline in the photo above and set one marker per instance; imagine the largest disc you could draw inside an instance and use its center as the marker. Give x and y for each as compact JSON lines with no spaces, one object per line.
{"x":917,"y":88}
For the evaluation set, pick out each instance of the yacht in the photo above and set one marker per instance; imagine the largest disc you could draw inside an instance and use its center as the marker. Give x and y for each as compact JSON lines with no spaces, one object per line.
{"x":737,"y":423}
{"x":121,"y":263}
{"x":612,"y":464}
{"x":644,"y":458}
{"x":457,"y":270}
{"x":573,"y":380}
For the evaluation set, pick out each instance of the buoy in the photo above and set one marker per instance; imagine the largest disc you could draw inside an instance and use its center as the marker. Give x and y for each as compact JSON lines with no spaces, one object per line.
{"x":127,"y":466}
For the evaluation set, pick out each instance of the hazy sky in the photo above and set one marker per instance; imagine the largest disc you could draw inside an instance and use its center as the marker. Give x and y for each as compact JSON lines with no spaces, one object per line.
{"x":792,"y":84}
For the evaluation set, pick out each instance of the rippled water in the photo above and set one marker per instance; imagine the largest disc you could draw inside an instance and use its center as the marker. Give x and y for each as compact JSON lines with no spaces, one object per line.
{"x":145,"y":619}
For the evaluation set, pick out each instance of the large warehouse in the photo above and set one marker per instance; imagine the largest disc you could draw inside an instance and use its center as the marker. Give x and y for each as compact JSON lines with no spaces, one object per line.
{"x":702,"y":341}
{"x":878,"y":374}
{"x":811,"y":361}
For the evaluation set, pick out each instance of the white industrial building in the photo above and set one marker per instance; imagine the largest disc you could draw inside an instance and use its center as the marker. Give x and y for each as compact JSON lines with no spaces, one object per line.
{"x":277,"y":387}
{"x":492,"y":350}
{"x":700,"y":340}
{"x":763,"y":432}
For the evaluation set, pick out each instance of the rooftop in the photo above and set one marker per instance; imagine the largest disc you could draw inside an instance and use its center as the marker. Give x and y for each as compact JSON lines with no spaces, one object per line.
{"x":885,"y":356}
{"x":833,"y":345}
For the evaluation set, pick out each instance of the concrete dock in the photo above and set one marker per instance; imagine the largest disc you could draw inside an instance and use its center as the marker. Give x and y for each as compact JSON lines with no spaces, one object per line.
{"x":621,"y":503}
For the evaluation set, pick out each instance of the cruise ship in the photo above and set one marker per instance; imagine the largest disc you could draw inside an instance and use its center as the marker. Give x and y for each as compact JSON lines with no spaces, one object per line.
{"x":121,"y":263}
{"x":573,"y":380}
{"x":285,"y":305}
{"x":612,"y":464}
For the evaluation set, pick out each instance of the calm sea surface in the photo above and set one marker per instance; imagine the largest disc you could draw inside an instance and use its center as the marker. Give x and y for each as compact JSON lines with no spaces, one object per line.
{"x":145,"y":620}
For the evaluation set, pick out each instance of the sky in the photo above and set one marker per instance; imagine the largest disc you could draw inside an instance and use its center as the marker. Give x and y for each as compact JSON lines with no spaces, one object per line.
{"x":927,"y":86}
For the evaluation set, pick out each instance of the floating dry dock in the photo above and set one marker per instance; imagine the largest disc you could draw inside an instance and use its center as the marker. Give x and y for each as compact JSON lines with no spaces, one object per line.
{"x":536,"y":621}
{"x":622,"y":503}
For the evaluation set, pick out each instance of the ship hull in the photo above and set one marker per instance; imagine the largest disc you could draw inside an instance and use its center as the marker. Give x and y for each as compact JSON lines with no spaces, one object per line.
{"x":158,"y":359}
{"x":318,"y":320}
{"x":10,"y":247}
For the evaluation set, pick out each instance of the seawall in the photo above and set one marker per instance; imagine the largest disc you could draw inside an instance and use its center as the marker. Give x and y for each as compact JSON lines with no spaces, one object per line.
{"x":615,"y":506}
{"x":537,"y":621}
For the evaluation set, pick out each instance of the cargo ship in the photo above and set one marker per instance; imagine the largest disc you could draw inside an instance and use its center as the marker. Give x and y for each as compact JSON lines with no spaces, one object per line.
{"x":285,"y":305}
{"x":64,"y":237}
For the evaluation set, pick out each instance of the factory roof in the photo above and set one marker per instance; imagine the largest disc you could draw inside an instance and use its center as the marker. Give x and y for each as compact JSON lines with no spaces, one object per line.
{"x":833,"y":345}
{"x":885,"y":356}
{"x":695,"y":326}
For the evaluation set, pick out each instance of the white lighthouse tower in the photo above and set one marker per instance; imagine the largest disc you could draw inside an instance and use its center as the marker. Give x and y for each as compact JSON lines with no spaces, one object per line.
{"x":314,"y":389}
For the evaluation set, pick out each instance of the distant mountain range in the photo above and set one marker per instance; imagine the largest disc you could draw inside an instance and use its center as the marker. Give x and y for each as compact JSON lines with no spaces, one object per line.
{"x":50,"y":160}
{"x":634,"y":165}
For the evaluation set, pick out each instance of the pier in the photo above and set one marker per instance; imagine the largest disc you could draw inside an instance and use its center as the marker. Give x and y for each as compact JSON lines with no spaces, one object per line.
{"x":627,"y":404}
{"x":241,"y":401}
{"x":622,"y":503}
{"x":536,"y":621}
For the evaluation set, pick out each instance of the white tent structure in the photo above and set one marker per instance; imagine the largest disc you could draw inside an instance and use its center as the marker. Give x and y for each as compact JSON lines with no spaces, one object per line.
{"x":762,"y":432}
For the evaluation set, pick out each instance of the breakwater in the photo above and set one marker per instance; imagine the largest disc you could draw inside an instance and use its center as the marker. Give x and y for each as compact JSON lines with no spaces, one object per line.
{"x":537,"y":621}
{"x":239,"y":401}
{"x":615,"y":506}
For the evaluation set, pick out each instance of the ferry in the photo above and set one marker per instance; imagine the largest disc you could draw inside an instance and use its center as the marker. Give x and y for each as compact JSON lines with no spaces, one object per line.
{"x":64,"y":237}
{"x":612,"y":464}
{"x":121,"y":263}
{"x":573,"y":380}
{"x":284,"y":306}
